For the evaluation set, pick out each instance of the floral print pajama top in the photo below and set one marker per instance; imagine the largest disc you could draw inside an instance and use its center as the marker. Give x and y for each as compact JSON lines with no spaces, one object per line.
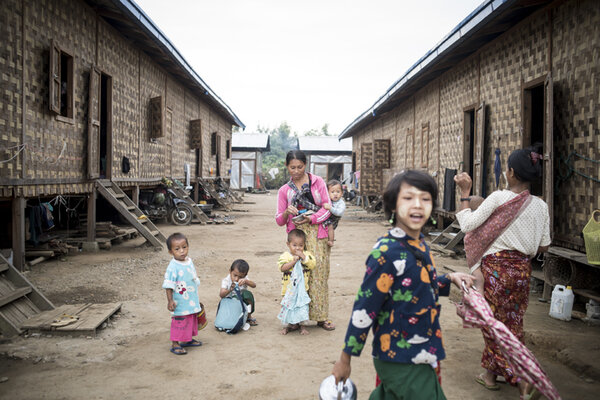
{"x":398,"y":298}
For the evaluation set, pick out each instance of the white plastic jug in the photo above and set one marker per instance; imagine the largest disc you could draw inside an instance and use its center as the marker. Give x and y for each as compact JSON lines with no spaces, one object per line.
{"x":562,"y":302}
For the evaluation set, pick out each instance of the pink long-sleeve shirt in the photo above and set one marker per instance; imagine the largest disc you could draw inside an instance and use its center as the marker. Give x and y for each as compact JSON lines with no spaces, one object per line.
{"x":319,"y":192}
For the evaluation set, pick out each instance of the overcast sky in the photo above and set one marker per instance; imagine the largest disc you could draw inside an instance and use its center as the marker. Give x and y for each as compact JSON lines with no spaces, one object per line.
{"x":306,"y":62}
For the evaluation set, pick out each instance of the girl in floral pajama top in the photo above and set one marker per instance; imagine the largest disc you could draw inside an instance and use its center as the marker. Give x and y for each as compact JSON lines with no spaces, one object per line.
{"x":398,"y":298}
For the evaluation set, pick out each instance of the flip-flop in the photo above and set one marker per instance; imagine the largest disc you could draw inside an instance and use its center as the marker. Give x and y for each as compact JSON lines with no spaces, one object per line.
{"x":327,"y":325}
{"x":479,"y":379}
{"x":178,"y":350}
{"x":252,"y":321}
{"x":192,"y":343}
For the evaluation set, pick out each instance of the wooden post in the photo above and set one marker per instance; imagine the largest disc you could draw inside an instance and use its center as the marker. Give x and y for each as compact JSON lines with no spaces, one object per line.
{"x":196,"y":190}
{"x":18,"y":232}
{"x":91,"y":217}
{"x":135,"y":195}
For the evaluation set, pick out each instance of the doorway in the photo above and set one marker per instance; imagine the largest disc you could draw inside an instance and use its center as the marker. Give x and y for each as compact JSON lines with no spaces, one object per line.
{"x":105,"y":145}
{"x":534,"y":123}
{"x":469,"y":140}
{"x":335,"y":171}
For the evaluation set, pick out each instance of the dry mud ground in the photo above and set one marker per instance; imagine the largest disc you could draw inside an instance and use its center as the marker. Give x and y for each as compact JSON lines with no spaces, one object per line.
{"x":130,"y":358}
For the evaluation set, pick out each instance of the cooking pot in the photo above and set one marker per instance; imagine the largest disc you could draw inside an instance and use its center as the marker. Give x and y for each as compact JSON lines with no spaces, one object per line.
{"x":329,"y":390}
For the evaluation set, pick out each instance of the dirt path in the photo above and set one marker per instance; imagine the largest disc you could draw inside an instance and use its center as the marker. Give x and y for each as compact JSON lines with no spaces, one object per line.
{"x":130,"y":358}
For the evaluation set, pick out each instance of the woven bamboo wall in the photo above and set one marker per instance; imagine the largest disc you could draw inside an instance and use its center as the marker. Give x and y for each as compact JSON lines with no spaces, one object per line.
{"x":576,"y":75}
{"x":152,"y":84}
{"x":118,"y":59}
{"x":55,"y":156}
{"x":426,"y":130}
{"x":404,"y":126}
{"x":54,"y":149}
{"x":11,"y":108}
{"x":496,"y":75}
{"x":458,"y":90}
{"x":517,"y":57}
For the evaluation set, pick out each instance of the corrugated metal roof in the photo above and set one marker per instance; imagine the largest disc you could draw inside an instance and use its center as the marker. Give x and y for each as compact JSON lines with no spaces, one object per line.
{"x":484,"y":24}
{"x":137,"y":17}
{"x":324,"y":144}
{"x":259,"y":141}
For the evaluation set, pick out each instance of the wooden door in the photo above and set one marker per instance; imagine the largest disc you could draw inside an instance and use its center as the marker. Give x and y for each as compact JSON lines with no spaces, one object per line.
{"x":479,"y":159}
{"x":218,"y":155}
{"x":548,"y":172}
{"x":169,"y":142}
{"x":94,"y":124}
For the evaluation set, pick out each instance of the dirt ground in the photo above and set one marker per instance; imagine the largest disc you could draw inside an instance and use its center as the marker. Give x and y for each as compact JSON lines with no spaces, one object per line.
{"x":130,"y":358}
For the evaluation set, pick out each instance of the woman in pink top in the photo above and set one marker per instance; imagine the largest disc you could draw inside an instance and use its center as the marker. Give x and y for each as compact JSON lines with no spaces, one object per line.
{"x":306,"y":193}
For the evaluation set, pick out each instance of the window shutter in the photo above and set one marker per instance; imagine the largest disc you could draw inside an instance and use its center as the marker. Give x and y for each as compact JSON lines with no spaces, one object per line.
{"x":366,"y":156}
{"x":478,"y":182}
{"x":381,"y":153}
{"x":213,"y":144}
{"x":94,"y":124}
{"x":196,"y":134}
{"x":157,"y":117}
{"x":54,"y":78}
{"x":425,"y":145}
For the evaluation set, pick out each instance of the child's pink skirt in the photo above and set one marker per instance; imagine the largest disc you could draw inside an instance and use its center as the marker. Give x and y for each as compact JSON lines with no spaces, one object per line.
{"x":184,"y":327}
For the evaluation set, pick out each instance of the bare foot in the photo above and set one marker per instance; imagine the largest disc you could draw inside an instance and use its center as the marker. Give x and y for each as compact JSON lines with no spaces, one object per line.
{"x":303,"y":330}
{"x":289,"y":328}
{"x":330,"y":243}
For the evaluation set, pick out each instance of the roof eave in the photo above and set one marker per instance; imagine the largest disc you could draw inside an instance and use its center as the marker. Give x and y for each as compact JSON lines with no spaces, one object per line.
{"x":468,"y":26}
{"x":137,"y":15}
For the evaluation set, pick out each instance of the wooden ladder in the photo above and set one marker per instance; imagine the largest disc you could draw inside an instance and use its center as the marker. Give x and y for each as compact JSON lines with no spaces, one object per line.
{"x":453,"y":235}
{"x":19,"y":299}
{"x":182,"y":194}
{"x":213,"y":193}
{"x":127,"y":208}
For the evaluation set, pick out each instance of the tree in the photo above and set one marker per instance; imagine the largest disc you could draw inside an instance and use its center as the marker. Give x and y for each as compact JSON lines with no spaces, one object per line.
{"x":282,"y":140}
{"x":315,"y":132}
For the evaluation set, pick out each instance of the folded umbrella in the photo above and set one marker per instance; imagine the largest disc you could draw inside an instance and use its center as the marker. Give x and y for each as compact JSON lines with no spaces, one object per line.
{"x":476,"y":313}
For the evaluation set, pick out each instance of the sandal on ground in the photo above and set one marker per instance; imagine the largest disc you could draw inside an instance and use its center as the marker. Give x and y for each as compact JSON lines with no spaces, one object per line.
{"x":480,"y":379}
{"x":178,"y":350}
{"x":327,"y":325}
{"x":192,"y":343}
{"x":252,"y":321}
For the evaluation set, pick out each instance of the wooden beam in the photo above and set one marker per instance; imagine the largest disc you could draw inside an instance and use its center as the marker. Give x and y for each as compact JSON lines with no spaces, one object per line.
{"x":18,"y":232}
{"x":91,"y":216}
{"x":15,"y":294}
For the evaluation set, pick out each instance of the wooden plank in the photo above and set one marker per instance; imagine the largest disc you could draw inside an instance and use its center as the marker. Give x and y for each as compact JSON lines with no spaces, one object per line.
{"x":8,"y":327}
{"x":44,"y":319}
{"x":6,"y":287}
{"x":571,"y":255}
{"x":590,"y":294}
{"x":19,"y":280}
{"x":26,"y":307}
{"x":3,"y":267}
{"x":20,"y":292}
{"x":92,"y":317}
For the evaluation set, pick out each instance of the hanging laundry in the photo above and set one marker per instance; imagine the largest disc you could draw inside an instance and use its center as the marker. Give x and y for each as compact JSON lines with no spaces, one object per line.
{"x":47,"y":216}
{"x":497,"y":167}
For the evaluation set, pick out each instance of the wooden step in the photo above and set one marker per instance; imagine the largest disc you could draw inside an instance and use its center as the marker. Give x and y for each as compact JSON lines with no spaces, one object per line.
{"x":127,"y":208}
{"x":3,"y":267}
{"x":19,"y":292}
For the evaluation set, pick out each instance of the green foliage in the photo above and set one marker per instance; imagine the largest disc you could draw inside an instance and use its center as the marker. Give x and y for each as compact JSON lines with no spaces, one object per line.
{"x":282,"y":140}
{"x":315,"y":132}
